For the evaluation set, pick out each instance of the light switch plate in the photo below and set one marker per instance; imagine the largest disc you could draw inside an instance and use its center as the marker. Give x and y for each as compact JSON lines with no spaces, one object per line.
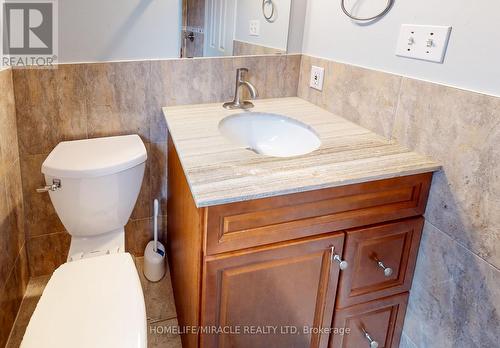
{"x":254,"y":27}
{"x":426,"y":42}
{"x":317,"y":75}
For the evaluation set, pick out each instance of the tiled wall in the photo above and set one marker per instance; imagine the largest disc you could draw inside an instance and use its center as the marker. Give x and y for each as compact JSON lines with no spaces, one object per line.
{"x":79,"y":101}
{"x":455,"y":299}
{"x":241,"y":48}
{"x":13,"y":262}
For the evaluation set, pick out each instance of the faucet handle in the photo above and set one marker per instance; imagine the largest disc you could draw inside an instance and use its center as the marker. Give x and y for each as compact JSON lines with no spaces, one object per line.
{"x":240,"y":72}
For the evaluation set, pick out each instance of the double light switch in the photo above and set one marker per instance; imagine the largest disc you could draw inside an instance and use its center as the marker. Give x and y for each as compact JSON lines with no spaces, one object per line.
{"x":424,"y":42}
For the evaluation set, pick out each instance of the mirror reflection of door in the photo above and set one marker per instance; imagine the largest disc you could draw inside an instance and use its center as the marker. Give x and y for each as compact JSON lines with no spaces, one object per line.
{"x":212,"y":28}
{"x":219,"y":27}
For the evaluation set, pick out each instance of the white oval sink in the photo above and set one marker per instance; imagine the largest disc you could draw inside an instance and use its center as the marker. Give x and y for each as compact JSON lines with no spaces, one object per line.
{"x":270,"y":134}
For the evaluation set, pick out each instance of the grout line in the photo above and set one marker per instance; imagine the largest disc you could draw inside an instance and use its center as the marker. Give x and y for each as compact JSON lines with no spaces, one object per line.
{"x":24,"y":294}
{"x":409,"y":339}
{"x":396,"y":109}
{"x":169,"y":59}
{"x":47,"y":234}
{"x":4,"y":183}
{"x":159,"y":320}
{"x":300,"y":76}
{"x":147,"y":218}
{"x":460,"y":243}
{"x":13,"y":268}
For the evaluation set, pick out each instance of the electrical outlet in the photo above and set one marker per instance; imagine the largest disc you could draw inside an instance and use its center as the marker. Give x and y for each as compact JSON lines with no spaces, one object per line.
{"x":425,"y":42}
{"x":317,"y":75}
{"x":254,"y":27}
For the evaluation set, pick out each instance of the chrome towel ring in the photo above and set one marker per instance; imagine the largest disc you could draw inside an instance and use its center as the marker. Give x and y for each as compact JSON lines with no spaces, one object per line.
{"x":364,"y":19}
{"x":270,"y":18}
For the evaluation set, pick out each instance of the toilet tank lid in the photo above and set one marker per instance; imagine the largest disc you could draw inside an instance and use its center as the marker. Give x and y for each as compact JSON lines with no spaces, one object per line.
{"x":95,"y":157}
{"x":93,"y":302}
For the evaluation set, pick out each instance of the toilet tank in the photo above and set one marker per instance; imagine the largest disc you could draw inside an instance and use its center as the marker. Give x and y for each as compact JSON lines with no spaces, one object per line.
{"x":100,"y":180}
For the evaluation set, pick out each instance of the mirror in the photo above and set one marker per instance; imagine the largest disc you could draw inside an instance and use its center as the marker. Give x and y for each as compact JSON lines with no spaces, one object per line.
{"x":214,"y":28}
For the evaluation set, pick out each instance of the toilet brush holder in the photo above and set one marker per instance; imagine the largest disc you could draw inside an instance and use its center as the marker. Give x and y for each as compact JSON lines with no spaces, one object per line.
{"x":154,"y":254}
{"x":154,"y":261}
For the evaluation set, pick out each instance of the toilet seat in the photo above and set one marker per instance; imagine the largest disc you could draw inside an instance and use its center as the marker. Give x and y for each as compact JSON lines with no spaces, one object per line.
{"x":94,"y":302}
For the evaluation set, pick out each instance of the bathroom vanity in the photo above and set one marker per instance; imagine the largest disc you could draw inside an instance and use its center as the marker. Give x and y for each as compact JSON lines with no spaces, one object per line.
{"x":314,"y":243}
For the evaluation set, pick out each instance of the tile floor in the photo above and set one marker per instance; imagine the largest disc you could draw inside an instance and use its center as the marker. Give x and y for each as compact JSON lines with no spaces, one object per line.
{"x":160,"y":310}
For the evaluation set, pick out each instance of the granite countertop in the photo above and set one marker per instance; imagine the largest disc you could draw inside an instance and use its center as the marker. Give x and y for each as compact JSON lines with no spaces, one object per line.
{"x":219,"y":172}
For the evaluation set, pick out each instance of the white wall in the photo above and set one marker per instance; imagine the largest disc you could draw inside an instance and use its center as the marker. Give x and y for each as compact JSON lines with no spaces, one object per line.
{"x":271,"y":34}
{"x":107,"y":30}
{"x":296,"y":27}
{"x":473,"y":56}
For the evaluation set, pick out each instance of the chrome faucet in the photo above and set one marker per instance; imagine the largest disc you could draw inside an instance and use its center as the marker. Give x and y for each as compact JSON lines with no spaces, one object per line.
{"x":237,"y":103}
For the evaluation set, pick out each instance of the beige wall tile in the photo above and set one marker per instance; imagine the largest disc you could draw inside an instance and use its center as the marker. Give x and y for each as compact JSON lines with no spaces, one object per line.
{"x":241,"y":48}
{"x":13,"y":261}
{"x":454,"y":297}
{"x":14,"y":191}
{"x":11,"y":220}
{"x":40,"y":215}
{"x":156,"y":96}
{"x":366,"y":97}
{"x":158,"y":175}
{"x":47,"y":252}
{"x":303,"y":89}
{"x":222,"y":76}
{"x":139,"y":232}
{"x":460,"y":130}
{"x":9,"y":152}
{"x":208,"y":81}
{"x":6,"y":260}
{"x":49,"y":107}
{"x":31,"y":297}
{"x":116,"y":98}
{"x":257,"y":73}
{"x":281,"y":75}
{"x":173,"y":75}
{"x":11,"y":295}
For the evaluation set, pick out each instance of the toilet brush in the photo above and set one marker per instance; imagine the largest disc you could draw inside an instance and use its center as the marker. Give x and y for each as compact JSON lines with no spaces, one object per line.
{"x":154,"y":254}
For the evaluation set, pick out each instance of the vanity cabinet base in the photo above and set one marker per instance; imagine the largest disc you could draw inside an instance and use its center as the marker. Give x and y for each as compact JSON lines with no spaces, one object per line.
{"x":276,"y":262}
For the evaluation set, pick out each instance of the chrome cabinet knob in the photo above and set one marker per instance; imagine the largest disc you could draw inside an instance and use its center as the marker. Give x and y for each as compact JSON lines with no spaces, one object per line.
{"x":335,"y":257}
{"x":373,"y":343}
{"x":387,"y":270}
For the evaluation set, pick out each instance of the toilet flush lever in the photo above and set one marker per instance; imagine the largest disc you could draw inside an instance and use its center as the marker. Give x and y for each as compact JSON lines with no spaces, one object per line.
{"x":56,"y":185}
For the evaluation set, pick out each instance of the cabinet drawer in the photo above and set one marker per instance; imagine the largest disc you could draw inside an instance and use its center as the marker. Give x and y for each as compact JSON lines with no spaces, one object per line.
{"x":368,"y":250}
{"x":382,"y":320}
{"x":262,"y":221}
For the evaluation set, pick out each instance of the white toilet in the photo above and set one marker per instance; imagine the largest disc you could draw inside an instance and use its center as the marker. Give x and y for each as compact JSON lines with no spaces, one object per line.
{"x":95,"y":299}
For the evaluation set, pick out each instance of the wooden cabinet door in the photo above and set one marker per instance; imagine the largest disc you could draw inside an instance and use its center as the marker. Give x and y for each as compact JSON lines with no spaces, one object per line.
{"x":275,"y":288}
{"x":394,"y":245}
{"x":379,"y":321}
